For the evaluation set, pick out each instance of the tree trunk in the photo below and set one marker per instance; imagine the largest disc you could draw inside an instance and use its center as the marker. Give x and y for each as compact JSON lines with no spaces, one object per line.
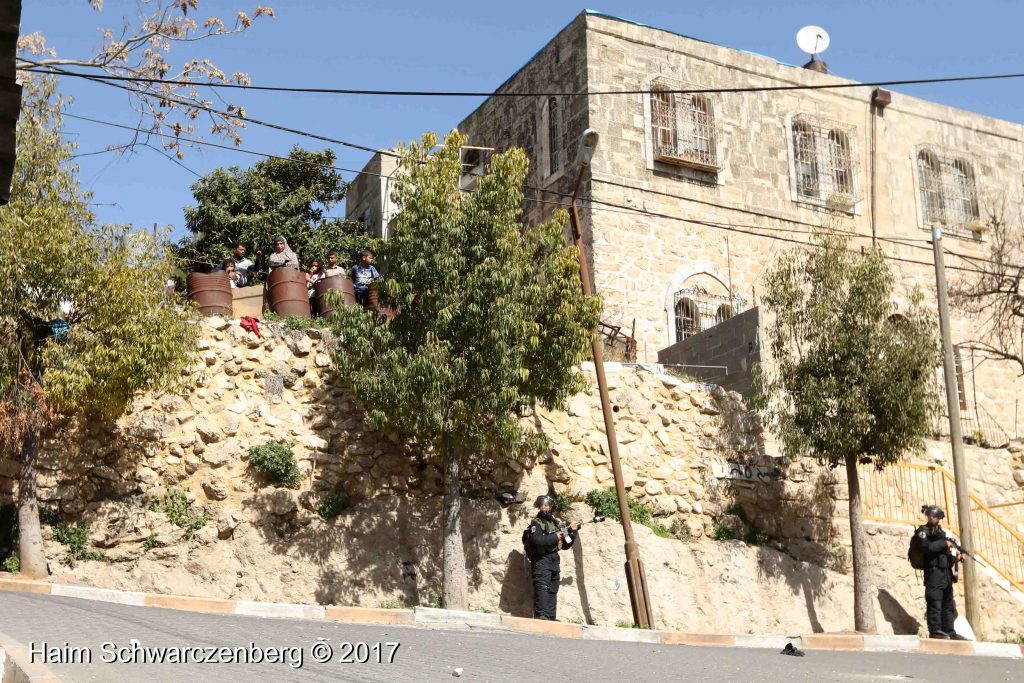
{"x":863,"y":602}
{"x":30,"y":537}
{"x":455,"y":582}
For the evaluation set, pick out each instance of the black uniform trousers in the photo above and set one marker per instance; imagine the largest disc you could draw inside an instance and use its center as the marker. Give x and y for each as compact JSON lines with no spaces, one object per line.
{"x":938,"y":598}
{"x":546,"y":574}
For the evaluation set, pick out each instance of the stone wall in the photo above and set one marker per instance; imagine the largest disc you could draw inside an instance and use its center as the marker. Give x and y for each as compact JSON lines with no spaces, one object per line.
{"x":695,"y":456}
{"x":724,"y":354}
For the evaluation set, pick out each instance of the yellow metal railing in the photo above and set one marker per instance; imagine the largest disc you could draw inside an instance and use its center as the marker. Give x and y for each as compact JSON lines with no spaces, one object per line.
{"x":895,"y":496}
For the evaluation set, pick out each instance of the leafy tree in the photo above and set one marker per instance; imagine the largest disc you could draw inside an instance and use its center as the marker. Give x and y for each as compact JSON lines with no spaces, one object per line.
{"x":490,"y":319}
{"x":139,"y":48}
{"x":848,"y":380}
{"x":105,"y":283}
{"x":275,"y":197}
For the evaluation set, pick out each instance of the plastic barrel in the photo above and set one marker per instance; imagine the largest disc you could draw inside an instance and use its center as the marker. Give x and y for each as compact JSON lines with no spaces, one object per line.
{"x":340,"y":283}
{"x":287,"y":293}
{"x":211,"y":292}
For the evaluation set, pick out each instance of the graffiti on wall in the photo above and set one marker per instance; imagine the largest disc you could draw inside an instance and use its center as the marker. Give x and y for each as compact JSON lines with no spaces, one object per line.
{"x":745,"y":472}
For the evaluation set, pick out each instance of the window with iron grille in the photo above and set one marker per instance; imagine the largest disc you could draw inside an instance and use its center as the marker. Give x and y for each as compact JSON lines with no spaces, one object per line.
{"x":948,"y":194}
{"x":695,"y":310}
{"x":684,"y":130}
{"x":823,"y":169}
{"x":553,"y":136}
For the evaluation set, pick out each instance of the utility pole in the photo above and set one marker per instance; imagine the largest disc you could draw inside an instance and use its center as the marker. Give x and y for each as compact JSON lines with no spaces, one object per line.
{"x":963,"y":501}
{"x":10,"y":92}
{"x":636,"y":579}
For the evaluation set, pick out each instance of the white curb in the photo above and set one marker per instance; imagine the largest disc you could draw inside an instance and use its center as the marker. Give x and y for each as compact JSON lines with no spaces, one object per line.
{"x":432,"y":615}
{"x":279,"y":610}
{"x":629,"y":635}
{"x":998,"y":650}
{"x":768,"y":642}
{"x":101,"y":594}
{"x":892,"y":643}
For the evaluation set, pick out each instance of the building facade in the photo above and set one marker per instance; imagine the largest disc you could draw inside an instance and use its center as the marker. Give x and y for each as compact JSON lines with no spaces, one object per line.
{"x":690,"y":197}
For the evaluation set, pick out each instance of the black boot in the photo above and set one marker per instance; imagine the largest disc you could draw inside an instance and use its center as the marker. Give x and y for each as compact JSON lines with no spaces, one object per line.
{"x":939,"y":635}
{"x":953,"y":635}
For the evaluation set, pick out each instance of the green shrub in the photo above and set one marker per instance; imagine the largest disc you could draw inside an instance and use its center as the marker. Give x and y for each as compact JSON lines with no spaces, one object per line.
{"x":76,"y":538}
{"x":607,"y":503}
{"x":92,"y":555}
{"x":680,"y":531}
{"x":563,"y":503}
{"x":392,"y":604}
{"x":1011,"y":636}
{"x":624,"y":623}
{"x":176,"y":508}
{"x":295,"y":322}
{"x":755,"y":537}
{"x":150,"y":542}
{"x":334,"y":505}
{"x":276,"y":462}
{"x":12,"y":564}
{"x":723,"y":533}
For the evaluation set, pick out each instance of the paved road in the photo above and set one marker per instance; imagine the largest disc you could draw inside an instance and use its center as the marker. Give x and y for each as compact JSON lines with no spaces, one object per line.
{"x":432,"y":655}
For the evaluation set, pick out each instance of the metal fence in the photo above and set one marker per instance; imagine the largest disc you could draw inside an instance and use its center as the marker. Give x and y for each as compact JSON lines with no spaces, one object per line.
{"x":896,"y":494}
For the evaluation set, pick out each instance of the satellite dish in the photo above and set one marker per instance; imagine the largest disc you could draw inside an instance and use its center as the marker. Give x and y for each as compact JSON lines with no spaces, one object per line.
{"x":812,"y":39}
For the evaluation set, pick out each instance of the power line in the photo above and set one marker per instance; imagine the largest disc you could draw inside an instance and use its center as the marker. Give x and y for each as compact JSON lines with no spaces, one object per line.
{"x":206,"y":143}
{"x":229,"y":115}
{"x":43,"y":68}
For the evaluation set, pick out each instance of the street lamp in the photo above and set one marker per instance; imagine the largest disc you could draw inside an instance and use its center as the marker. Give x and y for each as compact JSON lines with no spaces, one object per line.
{"x":636,"y":580}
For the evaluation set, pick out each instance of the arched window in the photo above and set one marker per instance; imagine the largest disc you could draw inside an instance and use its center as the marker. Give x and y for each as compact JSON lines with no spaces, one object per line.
{"x":687,"y":319}
{"x":723,"y":313}
{"x":805,"y":160}
{"x":840,"y":164}
{"x":964,"y":202}
{"x":702,"y":118}
{"x":663,"y":122}
{"x":929,"y":177}
{"x":554,"y":157}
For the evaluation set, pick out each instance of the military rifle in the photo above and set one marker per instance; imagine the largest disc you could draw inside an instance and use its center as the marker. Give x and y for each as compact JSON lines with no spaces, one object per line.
{"x":569,"y":536}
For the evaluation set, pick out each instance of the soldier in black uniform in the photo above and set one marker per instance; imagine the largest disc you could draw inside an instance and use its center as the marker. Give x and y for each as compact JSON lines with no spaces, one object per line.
{"x":543,"y":542}
{"x":939,"y":570}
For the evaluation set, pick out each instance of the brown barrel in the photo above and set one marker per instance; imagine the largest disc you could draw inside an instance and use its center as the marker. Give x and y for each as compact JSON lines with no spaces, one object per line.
{"x":340,"y":283}
{"x":211,"y":292}
{"x":287,"y":293}
{"x":374,"y":301}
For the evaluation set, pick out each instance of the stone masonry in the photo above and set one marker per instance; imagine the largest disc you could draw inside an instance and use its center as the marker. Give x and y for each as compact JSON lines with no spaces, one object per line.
{"x":694,"y":455}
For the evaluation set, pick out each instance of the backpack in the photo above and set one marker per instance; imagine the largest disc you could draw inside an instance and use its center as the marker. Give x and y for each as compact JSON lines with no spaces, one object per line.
{"x":915,"y":554}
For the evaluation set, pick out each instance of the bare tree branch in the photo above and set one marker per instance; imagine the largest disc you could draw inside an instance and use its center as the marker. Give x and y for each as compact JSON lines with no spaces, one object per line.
{"x":140,"y":49}
{"x":994,"y":296}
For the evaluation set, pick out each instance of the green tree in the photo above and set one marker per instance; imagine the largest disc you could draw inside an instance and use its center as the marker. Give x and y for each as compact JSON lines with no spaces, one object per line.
{"x":848,"y":380}
{"x":490,"y":319}
{"x":106,"y":283}
{"x":289,"y":197}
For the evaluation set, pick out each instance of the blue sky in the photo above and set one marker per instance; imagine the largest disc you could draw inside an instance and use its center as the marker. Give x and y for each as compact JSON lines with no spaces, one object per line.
{"x":406,"y":44}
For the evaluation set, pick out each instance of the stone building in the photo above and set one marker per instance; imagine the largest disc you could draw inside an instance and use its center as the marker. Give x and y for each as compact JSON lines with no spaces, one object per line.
{"x":691,"y":196}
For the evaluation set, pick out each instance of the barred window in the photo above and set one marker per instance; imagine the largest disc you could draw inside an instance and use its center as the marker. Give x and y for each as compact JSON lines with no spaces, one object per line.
{"x":553,"y":136}
{"x":930,"y":181}
{"x":949,"y":193}
{"x":687,"y":319}
{"x":702,"y":122}
{"x":965,"y":197}
{"x":696,"y":309}
{"x":684,"y":131}
{"x":840,"y":164}
{"x":663,"y":121}
{"x":806,"y":160}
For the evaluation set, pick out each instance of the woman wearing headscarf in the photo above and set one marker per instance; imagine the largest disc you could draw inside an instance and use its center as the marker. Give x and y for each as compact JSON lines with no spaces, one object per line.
{"x":283,"y":257}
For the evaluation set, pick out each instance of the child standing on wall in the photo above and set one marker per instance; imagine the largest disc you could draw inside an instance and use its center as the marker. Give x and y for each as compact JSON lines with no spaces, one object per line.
{"x":363,"y":274}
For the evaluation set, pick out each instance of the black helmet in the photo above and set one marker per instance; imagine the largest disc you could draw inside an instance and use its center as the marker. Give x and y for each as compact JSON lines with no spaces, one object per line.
{"x":545,"y":500}
{"x":933,"y":510}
